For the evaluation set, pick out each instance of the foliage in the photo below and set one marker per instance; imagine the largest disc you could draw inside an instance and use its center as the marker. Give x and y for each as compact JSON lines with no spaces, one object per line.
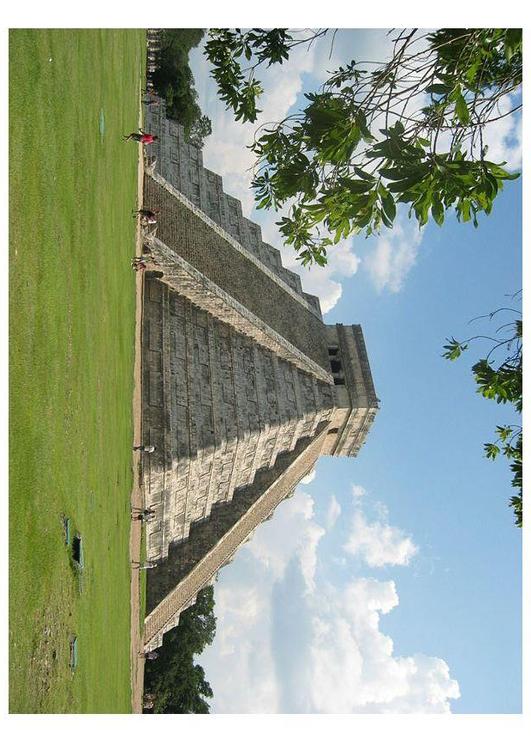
{"x":236,"y":87}
{"x":329,"y":163}
{"x":501,"y":381}
{"x":178,"y":684}
{"x":175,"y":82}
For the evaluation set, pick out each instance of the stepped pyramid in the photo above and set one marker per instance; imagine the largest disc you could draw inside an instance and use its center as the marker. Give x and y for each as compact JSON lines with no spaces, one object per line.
{"x":244,"y":385}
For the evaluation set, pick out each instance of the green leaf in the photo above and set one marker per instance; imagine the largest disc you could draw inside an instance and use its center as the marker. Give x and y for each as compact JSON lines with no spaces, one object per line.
{"x":437,"y":211}
{"x":389,"y":206}
{"x":454,"y":349}
{"x":439,"y":88}
{"x":513,"y":43}
{"x":491,"y":450}
{"x":461,"y":110}
{"x":403,"y":185}
{"x":364,"y":175}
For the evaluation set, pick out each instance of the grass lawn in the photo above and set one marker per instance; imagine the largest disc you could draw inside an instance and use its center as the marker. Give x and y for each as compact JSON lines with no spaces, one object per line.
{"x":73,"y":184}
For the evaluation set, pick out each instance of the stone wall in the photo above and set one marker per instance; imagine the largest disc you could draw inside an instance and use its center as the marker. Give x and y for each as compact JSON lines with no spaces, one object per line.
{"x":259,"y":292}
{"x":218,"y":407}
{"x":181,"y":164}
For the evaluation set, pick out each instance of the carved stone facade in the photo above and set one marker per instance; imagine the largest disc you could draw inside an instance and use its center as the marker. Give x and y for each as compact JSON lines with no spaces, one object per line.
{"x":244,"y":386}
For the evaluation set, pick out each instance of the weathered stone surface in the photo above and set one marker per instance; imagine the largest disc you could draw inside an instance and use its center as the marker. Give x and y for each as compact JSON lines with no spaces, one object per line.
{"x":244,"y":386}
{"x":255,"y":287}
{"x":218,"y":407}
{"x":181,"y":164}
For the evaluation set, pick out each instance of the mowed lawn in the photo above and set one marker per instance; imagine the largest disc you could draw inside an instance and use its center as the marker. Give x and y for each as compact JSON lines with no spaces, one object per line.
{"x":73,"y":183}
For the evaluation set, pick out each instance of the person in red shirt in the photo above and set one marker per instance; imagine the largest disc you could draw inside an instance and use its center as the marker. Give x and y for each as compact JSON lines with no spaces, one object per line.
{"x":141,"y":137}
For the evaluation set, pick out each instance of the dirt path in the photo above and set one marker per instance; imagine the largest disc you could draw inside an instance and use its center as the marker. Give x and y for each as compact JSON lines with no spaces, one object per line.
{"x":137,"y":498}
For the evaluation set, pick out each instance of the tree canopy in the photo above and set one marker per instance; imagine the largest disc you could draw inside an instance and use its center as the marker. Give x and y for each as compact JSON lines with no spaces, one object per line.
{"x":179,"y":685}
{"x":174,"y":80}
{"x":410,"y":130}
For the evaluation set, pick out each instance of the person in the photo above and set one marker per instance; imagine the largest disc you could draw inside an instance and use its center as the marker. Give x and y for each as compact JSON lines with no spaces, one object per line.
{"x":146,"y":215}
{"x":151,"y":655}
{"x":144,"y":515}
{"x":141,"y":260}
{"x":145,"y":448}
{"x":145,"y":138}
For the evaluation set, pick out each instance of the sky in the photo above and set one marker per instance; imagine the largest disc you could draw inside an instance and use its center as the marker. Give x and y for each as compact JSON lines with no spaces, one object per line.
{"x":390,"y":582}
{"x":394,"y":577}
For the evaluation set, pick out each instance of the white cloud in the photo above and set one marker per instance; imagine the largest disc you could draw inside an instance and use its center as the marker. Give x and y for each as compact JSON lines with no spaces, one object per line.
{"x":353,"y":666}
{"x":293,"y":641}
{"x":242,"y":641}
{"x":333,"y":512}
{"x":378,"y":543}
{"x":308,"y":479}
{"x":504,"y":136}
{"x":275,"y":544}
{"x":358,"y":490}
{"x":323,"y":281}
{"x":394,"y":256}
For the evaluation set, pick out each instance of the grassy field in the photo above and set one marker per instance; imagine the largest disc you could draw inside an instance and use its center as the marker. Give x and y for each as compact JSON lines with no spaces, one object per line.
{"x":73,"y":184}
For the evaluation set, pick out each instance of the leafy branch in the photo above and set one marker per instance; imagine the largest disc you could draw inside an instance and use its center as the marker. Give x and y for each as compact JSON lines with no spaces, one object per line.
{"x":500,"y":380}
{"x":410,"y":130}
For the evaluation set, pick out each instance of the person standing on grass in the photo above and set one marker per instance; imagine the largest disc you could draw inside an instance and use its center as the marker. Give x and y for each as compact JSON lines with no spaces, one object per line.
{"x":144,"y":138}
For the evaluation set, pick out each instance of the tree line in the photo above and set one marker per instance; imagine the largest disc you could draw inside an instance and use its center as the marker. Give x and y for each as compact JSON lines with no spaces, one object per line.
{"x":174,"y":81}
{"x":177,"y":683}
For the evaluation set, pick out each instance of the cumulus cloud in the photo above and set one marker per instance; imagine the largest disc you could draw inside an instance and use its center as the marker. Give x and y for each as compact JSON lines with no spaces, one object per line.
{"x":394,"y":255}
{"x":323,"y":281}
{"x":333,"y":512}
{"x":354,"y":669}
{"x":225,"y":151}
{"x":294,"y":640}
{"x":275,"y":544}
{"x":378,"y":544}
{"x":242,"y":641}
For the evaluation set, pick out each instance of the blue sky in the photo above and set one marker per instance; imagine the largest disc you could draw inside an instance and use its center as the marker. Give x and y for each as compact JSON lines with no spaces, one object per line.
{"x":390,"y":582}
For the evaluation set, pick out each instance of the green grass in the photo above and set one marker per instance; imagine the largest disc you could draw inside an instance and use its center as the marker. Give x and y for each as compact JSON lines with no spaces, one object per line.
{"x":72,"y":186}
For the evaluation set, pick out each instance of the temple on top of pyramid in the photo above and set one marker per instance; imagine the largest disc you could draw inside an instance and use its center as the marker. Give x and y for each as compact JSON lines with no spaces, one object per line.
{"x":244,"y":385}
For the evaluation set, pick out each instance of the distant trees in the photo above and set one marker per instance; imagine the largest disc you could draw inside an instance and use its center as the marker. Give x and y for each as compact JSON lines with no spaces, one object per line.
{"x":175,"y":82}
{"x":179,"y":685}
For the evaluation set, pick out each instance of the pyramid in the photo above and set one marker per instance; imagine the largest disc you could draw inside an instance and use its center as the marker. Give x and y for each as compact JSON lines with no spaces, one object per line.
{"x":244,"y":385}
